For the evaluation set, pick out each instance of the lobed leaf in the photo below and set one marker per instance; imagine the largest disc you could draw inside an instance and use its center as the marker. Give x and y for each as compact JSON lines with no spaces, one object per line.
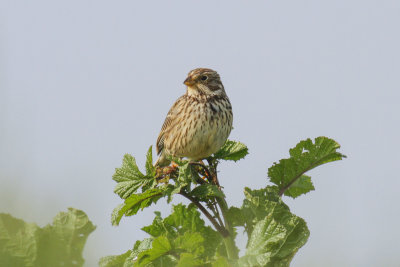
{"x":128,"y":171}
{"x":161,"y":246}
{"x":232,"y":150}
{"x":275,"y":234}
{"x":134,"y":203}
{"x":288,"y":174}
{"x":116,"y":261}
{"x":180,"y":239}
{"x":58,"y":244}
{"x":130,"y":179}
{"x":205,"y":191}
{"x":150,"y":169}
{"x":236,"y":216}
{"x":303,"y":185}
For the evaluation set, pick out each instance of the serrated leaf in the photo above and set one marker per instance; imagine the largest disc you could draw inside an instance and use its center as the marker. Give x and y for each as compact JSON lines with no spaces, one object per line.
{"x":115,"y":261}
{"x":185,"y":174}
{"x":301,"y":186}
{"x":158,"y":228}
{"x":232,"y":150}
{"x":160,"y":247}
{"x":221,"y":262}
{"x":257,"y":204}
{"x":127,"y":188}
{"x":128,"y":171}
{"x":141,"y":246}
{"x":187,"y":234}
{"x":150,"y":169}
{"x":134,"y":203}
{"x":189,"y":260}
{"x":191,"y":242}
{"x":235,"y":217}
{"x":304,"y":157}
{"x":206,"y":191}
{"x":185,"y":177}
{"x":58,"y":244}
{"x":130,"y":179}
{"x":275,"y":240}
{"x":275,"y":234}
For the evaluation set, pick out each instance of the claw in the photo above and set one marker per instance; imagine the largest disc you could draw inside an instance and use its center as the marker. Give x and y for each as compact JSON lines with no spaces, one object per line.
{"x":174,"y":165}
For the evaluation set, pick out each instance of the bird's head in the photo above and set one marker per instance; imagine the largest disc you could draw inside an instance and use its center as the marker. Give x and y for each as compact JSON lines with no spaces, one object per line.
{"x":205,"y":82}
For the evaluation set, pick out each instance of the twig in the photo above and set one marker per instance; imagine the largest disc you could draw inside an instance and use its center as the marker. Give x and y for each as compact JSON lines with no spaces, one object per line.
{"x":217,"y":213}
{"x":219,"y":228}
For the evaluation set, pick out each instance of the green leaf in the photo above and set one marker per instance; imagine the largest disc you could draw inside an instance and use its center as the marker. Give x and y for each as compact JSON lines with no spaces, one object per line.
{"x":187,"y":235}
{"x":257,"y":204}
{"x":289,"y":173}
{"x":301,"y":186}
{"x":134,"y":203}
{"x":150,"y":169}
{"x":221,"y":262}
{"x":235,"y":216}
{"x":127,"y":188}
{"x":232,"y":150}
{"x":274,"y":233}
{"x":58,"y":244}
{"x":184,"y":219}
{"x":160,"y":248}
{"x":115,"y":261}
{"x":158,"y":228}
{"x":139,"y":247}
{"x":275,"y":240}
{"x":130,"y":179}
{"x":128,"y":171}
{"x":189,"y":260}
{"x":205,"y":191}
{"x":191,"y":242}
{"x":185,"y":175}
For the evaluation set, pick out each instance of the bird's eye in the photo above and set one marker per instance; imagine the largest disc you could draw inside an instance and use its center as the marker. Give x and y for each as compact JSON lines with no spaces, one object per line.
{"x":204,"y":77}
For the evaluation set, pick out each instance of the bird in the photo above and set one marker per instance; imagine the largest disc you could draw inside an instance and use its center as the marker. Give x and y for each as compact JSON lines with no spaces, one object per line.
{"x":199,"y":122}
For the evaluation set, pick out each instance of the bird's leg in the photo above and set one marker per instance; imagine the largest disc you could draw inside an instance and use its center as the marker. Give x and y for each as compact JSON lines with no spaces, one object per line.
{"x":214,"y":172}
{"x":167,"y":170}
{"x":207,"y":173}
{"x":174,"y":165}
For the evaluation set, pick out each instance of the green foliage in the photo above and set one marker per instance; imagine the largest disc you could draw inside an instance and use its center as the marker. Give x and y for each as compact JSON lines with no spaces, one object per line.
{"x":135,"y":202}
{"x":207,"y":191}
{"x":232,"y":150}
{"x":129,"y":178}
{"x":288,"y":174}
{"x":58,"y":244}
{"x":274,"y":233}
{"x":182,"y":239}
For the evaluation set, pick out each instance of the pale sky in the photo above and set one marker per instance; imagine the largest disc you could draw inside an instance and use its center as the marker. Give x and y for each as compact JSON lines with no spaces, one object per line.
{"x":84,"y":82}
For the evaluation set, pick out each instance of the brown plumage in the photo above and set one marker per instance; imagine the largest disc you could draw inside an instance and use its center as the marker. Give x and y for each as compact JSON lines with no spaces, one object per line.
{"x":199,"y":122}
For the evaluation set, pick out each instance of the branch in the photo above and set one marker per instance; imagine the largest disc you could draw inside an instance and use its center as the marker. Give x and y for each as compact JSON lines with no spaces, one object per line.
{"x":219,"y":228}
{"x":213,"y":206}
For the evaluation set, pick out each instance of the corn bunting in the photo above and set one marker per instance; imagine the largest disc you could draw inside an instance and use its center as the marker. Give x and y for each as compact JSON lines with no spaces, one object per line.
{"x":199,"y":122}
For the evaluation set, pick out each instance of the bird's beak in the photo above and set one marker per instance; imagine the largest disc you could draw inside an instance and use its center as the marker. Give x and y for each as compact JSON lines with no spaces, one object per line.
{"x":189,"y":81}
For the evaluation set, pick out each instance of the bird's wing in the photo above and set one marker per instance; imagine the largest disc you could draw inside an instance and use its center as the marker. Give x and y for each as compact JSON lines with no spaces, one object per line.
{"x":169,"y":122}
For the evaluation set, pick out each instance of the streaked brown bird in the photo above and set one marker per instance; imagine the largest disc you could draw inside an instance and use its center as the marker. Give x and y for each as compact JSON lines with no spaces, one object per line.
{"x":199,"y":122}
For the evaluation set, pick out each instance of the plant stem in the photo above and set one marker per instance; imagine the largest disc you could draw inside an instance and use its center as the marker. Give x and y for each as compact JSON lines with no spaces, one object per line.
{"x":229,"y":241}
{"x":224,"y":232}
{"x":230,"y":245}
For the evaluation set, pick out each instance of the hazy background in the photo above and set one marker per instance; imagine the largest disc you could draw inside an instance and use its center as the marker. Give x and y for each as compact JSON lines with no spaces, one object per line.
{"x":83,"y":82}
